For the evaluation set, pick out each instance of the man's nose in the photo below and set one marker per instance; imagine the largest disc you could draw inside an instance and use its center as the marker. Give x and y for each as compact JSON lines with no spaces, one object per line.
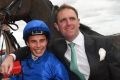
{"x":68,"y":22}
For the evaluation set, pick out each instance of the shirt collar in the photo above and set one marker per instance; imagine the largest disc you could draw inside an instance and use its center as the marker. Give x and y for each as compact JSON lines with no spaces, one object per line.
{"x":34,"y":57}
{"x":79,"y":40}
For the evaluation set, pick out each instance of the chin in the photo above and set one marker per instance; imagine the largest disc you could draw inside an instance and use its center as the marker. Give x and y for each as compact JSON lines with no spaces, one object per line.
{"x":38,"y":55}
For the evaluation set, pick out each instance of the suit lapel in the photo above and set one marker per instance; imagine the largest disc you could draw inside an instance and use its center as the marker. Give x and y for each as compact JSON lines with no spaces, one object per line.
{"x":91,"y":52}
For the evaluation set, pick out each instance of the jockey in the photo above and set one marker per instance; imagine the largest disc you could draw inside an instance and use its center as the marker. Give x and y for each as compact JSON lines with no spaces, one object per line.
{"x":40,"y":64}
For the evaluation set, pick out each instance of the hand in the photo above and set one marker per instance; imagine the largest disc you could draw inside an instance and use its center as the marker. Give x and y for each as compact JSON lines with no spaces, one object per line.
{"x":7,"y":65}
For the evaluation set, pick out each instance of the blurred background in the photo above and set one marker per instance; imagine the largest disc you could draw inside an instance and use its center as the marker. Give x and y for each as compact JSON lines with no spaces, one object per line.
{"x":102,"y":16}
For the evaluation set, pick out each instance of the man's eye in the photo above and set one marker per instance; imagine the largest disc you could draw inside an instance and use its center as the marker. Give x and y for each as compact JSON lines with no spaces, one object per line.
{"x":62,"y":20}
{"x":72,"y":18}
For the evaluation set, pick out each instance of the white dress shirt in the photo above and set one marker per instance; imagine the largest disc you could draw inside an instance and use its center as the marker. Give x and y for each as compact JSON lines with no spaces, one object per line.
{"x":82,"y":60}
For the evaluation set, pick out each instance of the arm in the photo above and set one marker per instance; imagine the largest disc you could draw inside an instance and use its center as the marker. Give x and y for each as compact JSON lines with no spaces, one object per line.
{"x":114,"y":62}
{"x":114,"y":65}
{"x":22,"y":53}
{"x":59,"y":70}
{"x":61,"y":73}
{"x":7,"y":64}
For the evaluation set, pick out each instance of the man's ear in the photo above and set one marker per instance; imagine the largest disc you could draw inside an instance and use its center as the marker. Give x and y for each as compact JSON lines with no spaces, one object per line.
{"x":56,"y":26}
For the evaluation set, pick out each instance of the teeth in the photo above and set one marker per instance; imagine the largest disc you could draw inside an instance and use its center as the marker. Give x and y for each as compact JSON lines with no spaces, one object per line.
{"x":37,"y":50}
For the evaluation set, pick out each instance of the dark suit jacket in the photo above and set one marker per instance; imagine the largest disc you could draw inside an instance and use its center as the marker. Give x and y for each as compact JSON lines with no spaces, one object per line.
{"x":108,"y":69}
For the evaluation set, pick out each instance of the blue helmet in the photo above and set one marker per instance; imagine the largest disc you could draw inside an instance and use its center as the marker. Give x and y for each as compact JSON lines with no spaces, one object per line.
{"x":35,"y":27}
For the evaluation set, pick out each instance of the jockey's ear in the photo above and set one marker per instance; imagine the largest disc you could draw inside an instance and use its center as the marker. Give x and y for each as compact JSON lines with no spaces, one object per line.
{"x":27,"y":43}
{"x":56,"y":26}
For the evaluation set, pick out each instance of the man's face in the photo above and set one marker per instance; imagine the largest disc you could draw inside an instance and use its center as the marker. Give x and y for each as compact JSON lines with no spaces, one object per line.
{"x":37,"y":44}
{"x":68,"y":24}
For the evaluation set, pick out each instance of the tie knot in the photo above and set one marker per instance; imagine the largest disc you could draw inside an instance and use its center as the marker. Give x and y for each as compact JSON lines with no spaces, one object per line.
{"x":71,"y":44}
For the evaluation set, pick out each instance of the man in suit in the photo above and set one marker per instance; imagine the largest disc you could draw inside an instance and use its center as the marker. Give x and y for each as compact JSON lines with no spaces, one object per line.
{"x":96,"y":57}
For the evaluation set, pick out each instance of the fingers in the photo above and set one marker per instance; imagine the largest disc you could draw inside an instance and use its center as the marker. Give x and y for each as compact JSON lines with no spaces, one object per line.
{"x":4,"y":69}
{"x":10,"y":69}
{"x":7,"y":65}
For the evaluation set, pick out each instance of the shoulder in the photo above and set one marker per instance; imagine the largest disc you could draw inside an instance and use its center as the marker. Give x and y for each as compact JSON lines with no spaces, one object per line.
{"x":97,"y":38}
{"x":98,"y":42}
{"x":58,"y":47}
{"x":52,"y":58}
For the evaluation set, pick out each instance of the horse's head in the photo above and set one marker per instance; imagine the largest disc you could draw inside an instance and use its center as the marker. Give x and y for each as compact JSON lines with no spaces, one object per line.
{"x":13,"y":10}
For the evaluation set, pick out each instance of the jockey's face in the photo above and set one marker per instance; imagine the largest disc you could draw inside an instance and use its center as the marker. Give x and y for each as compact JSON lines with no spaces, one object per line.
{"x":37,"y":44}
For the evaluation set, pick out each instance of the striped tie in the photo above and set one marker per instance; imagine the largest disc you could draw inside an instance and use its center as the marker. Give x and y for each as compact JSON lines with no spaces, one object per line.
{"x":73,"y":63}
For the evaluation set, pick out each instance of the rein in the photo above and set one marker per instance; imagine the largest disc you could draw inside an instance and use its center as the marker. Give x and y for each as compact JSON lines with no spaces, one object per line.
{"x":8,"y":38}
{"x":11,"y":45}
{"x":10,"y":42}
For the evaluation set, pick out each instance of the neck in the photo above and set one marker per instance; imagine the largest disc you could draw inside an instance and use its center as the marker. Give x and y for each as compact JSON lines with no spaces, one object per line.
{"x":71,"y":38}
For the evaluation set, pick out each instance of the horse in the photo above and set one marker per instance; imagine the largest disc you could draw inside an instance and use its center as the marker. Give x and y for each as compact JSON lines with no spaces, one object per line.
{"x":15,"y":10}
{"x":33,"y":9}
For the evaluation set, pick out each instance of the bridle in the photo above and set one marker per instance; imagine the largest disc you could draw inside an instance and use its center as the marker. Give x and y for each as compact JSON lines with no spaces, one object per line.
{"x":8,"y":38}
{"x":6,"y":13}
